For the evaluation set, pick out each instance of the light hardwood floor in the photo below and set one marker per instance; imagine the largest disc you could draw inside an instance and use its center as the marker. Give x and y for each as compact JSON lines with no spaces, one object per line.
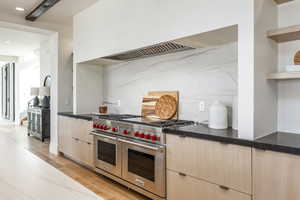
{"x":104,"y":187}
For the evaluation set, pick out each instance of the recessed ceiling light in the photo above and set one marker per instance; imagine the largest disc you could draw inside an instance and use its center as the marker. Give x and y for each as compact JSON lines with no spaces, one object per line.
{"x":20,"y":9}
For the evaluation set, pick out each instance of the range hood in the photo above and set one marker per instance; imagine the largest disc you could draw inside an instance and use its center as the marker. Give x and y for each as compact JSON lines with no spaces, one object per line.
{"x":150,"y":51}
{"x":201,"y":40}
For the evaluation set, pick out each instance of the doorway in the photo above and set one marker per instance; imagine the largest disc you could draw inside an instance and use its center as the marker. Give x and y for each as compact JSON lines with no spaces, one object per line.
{"x":8,"y":91}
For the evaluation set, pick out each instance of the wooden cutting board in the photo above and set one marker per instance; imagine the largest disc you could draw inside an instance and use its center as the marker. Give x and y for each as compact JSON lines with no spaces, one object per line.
{"x":149,"y":102}
{"x":166,"y":107}
{"x":297,"y":58}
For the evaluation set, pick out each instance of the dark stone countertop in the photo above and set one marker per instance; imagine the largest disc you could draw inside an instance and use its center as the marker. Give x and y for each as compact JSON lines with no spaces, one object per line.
{"x":279,"y":141}
{"x":202,"y":131}
{"x":88,"y":117}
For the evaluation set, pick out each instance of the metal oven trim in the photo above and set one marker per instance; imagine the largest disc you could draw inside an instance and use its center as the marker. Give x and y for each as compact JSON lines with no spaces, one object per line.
{"x":116,"y":170}
{"x":159,"y":185}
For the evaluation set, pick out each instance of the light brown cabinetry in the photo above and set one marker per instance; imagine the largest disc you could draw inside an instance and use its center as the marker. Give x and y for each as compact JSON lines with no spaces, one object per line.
{"x":64,"y":134}
{"x":222,"y":164}
{"x":81,"y":129}
{"x":276,"y":175}
{"x":74,"y":139}
{"x":186,"y":187}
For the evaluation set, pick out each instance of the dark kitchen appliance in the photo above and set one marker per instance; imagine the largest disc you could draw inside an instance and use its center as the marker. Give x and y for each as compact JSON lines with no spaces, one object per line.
{"x":131,"y":150}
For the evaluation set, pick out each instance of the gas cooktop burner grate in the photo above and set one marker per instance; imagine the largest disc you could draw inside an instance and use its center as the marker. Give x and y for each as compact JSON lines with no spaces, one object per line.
{"x":157,"y":122}
{"x":172,"y":122}
{"x":115,"y":116}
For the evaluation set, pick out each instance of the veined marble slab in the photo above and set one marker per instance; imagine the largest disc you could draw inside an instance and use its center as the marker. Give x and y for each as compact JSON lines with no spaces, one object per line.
{"x":24,"y":176}
{"x":206,"y":74}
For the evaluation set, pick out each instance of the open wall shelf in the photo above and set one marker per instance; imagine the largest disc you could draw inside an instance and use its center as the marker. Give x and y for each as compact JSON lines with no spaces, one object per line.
{"x":285,"y":34}
{"x":282,"y":1}
{"x":284,"y":76}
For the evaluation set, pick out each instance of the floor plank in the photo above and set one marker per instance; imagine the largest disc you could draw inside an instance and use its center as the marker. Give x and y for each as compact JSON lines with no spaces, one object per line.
{"x":102,"y":186}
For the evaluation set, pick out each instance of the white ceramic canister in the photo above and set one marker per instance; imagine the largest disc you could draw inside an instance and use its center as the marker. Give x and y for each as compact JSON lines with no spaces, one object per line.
{"x":218,"y":116}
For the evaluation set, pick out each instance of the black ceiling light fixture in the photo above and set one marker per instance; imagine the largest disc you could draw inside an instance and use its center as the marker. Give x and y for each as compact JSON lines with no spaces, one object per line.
{"x":41,"y":9}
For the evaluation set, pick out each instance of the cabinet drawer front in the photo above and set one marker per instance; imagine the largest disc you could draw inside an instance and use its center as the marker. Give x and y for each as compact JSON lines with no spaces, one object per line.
{"x":185,"y":187}
{"x":87,"y":127}
{"x":86,"y":155}
{"x":275,"y":175}
{"x":223,"y":164}
{"x":81,"y":129}
{"x":64,"y":132}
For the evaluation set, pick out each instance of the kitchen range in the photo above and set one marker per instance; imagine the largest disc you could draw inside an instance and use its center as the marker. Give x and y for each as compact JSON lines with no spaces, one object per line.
{"x":131,"y":150}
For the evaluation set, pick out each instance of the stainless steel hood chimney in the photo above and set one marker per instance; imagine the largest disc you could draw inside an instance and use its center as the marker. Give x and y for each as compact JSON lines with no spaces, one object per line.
{"x":150,"y":51}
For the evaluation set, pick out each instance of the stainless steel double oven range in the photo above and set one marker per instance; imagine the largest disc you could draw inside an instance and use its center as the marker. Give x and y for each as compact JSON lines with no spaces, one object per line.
{"x":131,"y":150}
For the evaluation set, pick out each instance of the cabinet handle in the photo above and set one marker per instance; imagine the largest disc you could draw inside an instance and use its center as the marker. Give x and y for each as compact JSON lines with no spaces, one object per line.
{"x":89,"y":143}
{"x":224,"y":187}
{"x":182,"y":174}
{"x":76,"y":139}
{"x":182,"y":136}
{"x":260,"y":149}
{"x":224,"y":143}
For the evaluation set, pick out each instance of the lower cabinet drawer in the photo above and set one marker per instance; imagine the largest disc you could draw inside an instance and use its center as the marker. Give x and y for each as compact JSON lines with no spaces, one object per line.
{"x":214,"y":162}
{"x":276,"y":176}
{"x":82,"y":152}
{"x":85,"y":129}
{"x":180,"y":187}
{"x":86,"y":155}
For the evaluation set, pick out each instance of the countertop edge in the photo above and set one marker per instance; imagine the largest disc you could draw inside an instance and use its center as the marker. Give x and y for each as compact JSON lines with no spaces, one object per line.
{"x":276,"y":148}
{"x":241,"y":142}
{"x":75,"y":116}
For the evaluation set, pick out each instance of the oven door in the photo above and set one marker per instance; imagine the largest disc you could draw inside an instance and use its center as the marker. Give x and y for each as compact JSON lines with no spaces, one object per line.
{"x":107,"y":153}
{"x":144,"y":166}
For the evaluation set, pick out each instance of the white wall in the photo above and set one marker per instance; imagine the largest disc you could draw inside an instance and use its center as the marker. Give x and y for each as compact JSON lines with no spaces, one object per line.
{"x":64,"y":73}
{"x":111,"y":26}
{"x":46,"y":58}
{"x":88,"y":88}
{"x":196,"y":74}
{"x":288,"y":91}
{"x":65,"y":78}
{"x":50,"y":55}
{"x":265,"y":51}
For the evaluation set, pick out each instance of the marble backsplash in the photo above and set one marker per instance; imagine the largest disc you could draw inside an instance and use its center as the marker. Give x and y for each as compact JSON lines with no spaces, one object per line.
{"x":206,"y":74}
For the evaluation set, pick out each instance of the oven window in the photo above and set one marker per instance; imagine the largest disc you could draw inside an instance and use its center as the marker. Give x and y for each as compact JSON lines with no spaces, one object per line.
{"x":141,"y":164}
{"x":106,"y":152}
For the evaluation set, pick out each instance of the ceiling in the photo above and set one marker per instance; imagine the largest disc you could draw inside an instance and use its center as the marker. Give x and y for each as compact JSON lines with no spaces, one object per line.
{"x":61,"y":13}
{"x":18,"y":43}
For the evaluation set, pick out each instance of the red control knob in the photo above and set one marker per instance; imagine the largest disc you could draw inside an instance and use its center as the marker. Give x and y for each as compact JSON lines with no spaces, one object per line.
{"x":154,"y":137}
{"x":114,"y":130}
{"x":101,"y":127}
{"x":148,"y":136}
{"x":142,"y":135}
{"x":137,"y":134}
{"x":125,"y":132}
{"x":94,"y":126}
{"x":98,"y":126}
{"x":106,"y":127}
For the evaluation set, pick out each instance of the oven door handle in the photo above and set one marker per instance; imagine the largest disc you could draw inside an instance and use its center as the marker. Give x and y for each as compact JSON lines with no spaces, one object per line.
{"x":160,"y":149}
{"x":103,"y":136}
